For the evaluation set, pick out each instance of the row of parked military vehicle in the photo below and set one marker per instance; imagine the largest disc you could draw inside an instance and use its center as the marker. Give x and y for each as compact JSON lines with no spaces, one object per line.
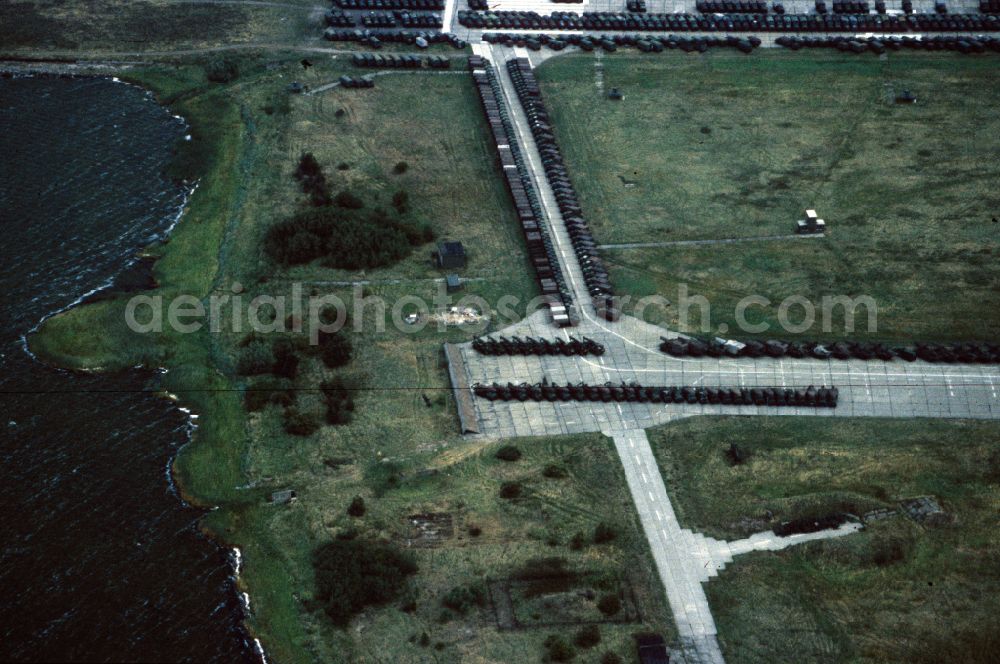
{"x":971,"y":353}
{"x":731,"y":6}
{"x":374,"y":39}
{"x":357,"y":82}
{"x":377,"y":61}
{"x":610,"y":43}
{"x":531,"y":346}
{"x":815,"y":397}
{"x":595,"y":274}
{"x":626,"y":21}
{"x":966,"y":44}
{"x":541,"y":251}
{"x":338,"y":19}
{"x":402,"y":18}
{"x":419,"y":5}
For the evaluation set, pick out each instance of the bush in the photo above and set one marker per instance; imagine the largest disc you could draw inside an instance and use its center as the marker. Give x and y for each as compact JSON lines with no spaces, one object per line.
{"x":611,"y":658}
{"x":588,"y":636}
{"x":254,"y":358}
{"x":298,"y":423}
{"x":354,"y":574}
{"x":461,"y":598}
{"x":577,"y":541}
{"x":510,"y":490}
{"x":604,"y":533}
{"x":357,"y":507}
{"x":400,"y":167}
{"x":558,"y":650}
{"x":221,"y":70}
{"x":401,"y":201}
{"x":286,"y":362}
{"x":343,"y":166}
{"x":268,"y":391}
{"x":543,"y":568}
{"x":554,"y":472}
{"x":335,"y":349}
{"x":339,"y":401}
{"x":609,"y":605}
{"x":736,"y":455}
{"x":508,"y":453}
{"x":475,"y":531}
{"x":346,"y":199}
{"x":313,"y":181}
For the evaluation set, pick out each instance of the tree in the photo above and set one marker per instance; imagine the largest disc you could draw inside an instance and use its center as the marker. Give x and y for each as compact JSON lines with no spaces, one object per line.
{"x":346,"y":199}
{"x":577,"y":541}
{"x":353,"y":574}
{"x":401,"y":201}
{"x":588,"y":636}
{"x":510,"y":490}
{"x":286,"y":362}
{"x":558,"y":650}
{"x":603,"y":533}
{"x":357,"y":507}
{"x":268,"y":391}
{"x":298,"y":423}
{"x":609,"y":604}
{"x":400,"y":167}
{"x":221,"y":70}
{"x":308,"y":166}
{"x":254,"y":358}
{"x":611,"y":658}
{"x":335,"y":349}
{"x":553,"y":471}
{"x":508,"y":453}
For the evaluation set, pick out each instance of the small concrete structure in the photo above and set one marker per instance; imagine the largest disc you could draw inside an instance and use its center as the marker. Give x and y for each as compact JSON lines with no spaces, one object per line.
{"x":906,"y":97}
{"x":450,"y":255}
{"x":282,"y":497}
{"x":811,"y":225}
{"x":452,"y":283}
{"x":616,"y":94}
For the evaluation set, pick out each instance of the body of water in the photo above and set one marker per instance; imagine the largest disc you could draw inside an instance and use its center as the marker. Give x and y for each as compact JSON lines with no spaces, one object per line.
{"x":100,"y":560}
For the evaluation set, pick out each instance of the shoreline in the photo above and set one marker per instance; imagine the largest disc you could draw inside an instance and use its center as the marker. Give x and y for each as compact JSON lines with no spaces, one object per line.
{"x":110,"y":291}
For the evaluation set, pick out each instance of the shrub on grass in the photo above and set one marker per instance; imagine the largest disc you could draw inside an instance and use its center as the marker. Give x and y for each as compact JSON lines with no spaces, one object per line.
{"x":577,"y":541}
{"x":286,"y":362}
{"x":335,"y":349}
{"x":737,"y":455}
{"x":554,"y":472}
{"x":609,"y":604}
{"x":354,"y":574}
{"x":557,"y":649}
{"x":254,"y":358}
{"x":475,"y":531}
{"x":604,"y":533}
{"x":266,"y":391}
{"x":400,"y":167}
{"x":298,"y":423}
{"x":401,"y":201}
{"x":611,"y":658}
{"x":357,"y":507}
{"x":588,"y":636}
{"x":510,"y":490}
{"x":339,"y":401}
{"x":346,"y":199}
{"x":508,"y":453}
{"x":462,"y":598}
{"x":383,"y":476}
{"x":221,"y":70}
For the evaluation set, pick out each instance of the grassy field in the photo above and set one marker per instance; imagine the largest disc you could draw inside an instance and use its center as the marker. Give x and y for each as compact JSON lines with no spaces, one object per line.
{"x":725,"y":146}
{"x":124,"y":25}
{"x":401,"y":451}
{"x":897,"y":592}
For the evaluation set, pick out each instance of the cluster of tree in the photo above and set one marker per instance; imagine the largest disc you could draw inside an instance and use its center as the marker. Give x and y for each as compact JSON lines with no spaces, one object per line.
{"x":357,"y":507}
{"x":312,"y":180}
{"x":345,"y":235}
{"x":354,"y":574}
{"x":256,"y":356}
{"x":266,"y":391}
{"x":300,"y":423}
{"x":339,"y":401}
{"x":462,"y":598}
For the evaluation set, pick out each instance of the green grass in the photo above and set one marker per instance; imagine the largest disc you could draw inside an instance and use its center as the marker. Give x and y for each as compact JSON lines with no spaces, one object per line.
{"x":126,"y":25}
{"x":727,"y":146}
{"x":833,"y":601}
